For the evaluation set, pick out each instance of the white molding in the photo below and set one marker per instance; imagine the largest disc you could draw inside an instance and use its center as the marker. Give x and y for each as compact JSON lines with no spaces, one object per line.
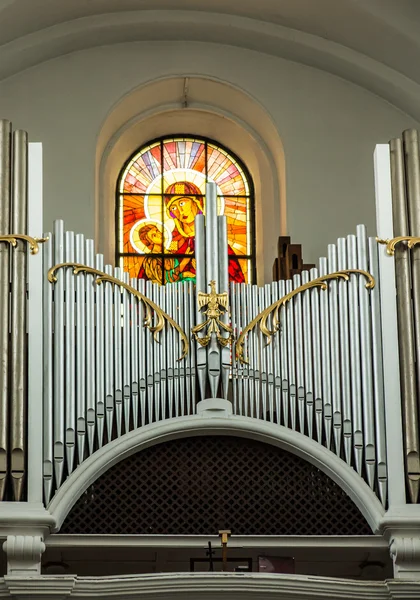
{"x":277,"y":435}
{"x":35,"y":326}
{"x":285,"y":542}
{"x":25,"y":517}
{"x":51,"y":587}
{"x":214,"y":408}
{"x":217,"y":586}
{"x":390,"y":354}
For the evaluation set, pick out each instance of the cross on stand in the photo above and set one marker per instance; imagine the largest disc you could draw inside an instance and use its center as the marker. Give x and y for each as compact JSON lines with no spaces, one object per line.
{"x":224,"y":534}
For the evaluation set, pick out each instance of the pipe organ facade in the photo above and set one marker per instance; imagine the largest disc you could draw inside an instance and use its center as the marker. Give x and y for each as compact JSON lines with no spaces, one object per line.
{"x":96,"y":365}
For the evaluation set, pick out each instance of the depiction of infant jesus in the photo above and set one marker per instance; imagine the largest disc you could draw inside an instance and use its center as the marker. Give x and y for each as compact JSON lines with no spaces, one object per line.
{"x":157,"y":269}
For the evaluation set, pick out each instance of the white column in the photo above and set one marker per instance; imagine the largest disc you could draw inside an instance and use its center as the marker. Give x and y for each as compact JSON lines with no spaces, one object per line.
{"x":393,"y":408}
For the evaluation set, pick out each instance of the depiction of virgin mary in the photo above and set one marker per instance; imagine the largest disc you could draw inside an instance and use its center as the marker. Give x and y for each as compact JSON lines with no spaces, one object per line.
{"x":184,"y":201}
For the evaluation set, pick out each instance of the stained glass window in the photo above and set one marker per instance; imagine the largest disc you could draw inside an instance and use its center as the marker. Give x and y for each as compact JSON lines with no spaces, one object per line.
{"x":161,"y":190}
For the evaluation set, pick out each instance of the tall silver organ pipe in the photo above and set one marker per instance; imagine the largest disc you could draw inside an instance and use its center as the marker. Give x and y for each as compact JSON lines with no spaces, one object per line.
{"x":59,"y":384}
{"x":366,"y":344}
{"x":300,"y":383}
{"x":48,"y":390}
{"x":99,"y":353}
{"x":70,"y":355}
{"x":18,"y":364}
{"x":118,"y":350}
{"x":200,"y":257}
{"x":81,"y":351}
{"x":90,"y":349}
{"x":212,"y":274}
{"x":355,"y":355}
{"x":325,"y":358}
{"x":222,"y":253}
{"x":308,"y":353}
{"x":5,"y":201}
{"x":335,"y":355}
{"x":316,"y":337}
{"x":412,"y":187}
{"x":345,"y":350}
{"x":378,"y":376}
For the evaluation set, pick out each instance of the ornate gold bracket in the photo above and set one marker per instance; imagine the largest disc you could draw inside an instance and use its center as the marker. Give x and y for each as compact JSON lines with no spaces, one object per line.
{"x":391,"y":243}
{"x":216,"y":304}
{"x":274,"y":309}
{"x":150,"y":306}
{"x":32,"y":241}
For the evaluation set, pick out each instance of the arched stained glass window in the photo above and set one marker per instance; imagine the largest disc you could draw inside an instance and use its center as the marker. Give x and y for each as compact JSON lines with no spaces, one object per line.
{"x":161,"y":190}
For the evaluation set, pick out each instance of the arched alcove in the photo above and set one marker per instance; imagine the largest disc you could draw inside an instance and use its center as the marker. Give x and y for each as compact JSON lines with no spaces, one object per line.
{"x":200,"y":485}
{"x":202,"y":107}
{"x":195,"y":426}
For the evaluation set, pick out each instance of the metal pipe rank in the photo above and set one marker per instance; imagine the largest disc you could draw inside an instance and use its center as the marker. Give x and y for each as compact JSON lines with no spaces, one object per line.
{"x":222,"y":241}
{"x":345,"y":350}
{"x":212,"y":274}
{"x":200,"y":255}
{"x":81,"y":371}
{"x":5,"y":201}
{"x":48,"y":409}
{"x":70,"y":357}
{"x":18,"y":364}
{"x":412,"y":177}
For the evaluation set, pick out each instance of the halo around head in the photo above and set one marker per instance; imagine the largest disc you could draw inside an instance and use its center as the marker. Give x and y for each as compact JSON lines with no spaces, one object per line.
{"x":152,"y":198}
{"x":136,"y":242}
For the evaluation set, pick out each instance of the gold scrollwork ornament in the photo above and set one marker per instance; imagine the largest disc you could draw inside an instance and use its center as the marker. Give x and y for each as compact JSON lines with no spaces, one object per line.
{"x":274,"y":309}
{"x":150,"y":306}
{"x":391,"y":243}
{"x":33,"y":242}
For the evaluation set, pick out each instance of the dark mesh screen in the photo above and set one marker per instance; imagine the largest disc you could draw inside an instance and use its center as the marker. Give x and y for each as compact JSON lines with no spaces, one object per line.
{"x":202,"y":484}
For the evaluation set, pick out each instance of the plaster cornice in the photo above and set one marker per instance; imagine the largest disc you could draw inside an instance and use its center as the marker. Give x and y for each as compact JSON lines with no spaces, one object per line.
{"x":232,"y":586}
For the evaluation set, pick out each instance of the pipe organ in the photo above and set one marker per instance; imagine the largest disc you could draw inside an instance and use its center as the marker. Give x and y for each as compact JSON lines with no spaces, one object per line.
{"x":321,"y":372}
{"x":118,"y":354}
{"x":314,"y":367}
{"x":13,"y":327}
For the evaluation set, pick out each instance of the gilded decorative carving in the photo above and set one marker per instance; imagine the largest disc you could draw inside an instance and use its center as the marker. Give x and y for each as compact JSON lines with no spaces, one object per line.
{"x":33,"y":242}
{"x":274,"y":309}
{"x":216,"y":304}
{"x":150,"y":306}
{"x":391,"y":243}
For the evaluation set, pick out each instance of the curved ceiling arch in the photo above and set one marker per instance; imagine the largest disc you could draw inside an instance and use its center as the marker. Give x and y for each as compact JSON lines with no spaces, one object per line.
{"x":280,"y":37}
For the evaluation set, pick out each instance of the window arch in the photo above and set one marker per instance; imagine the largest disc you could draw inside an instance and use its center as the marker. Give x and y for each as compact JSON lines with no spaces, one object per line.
{"x":160,"y":190}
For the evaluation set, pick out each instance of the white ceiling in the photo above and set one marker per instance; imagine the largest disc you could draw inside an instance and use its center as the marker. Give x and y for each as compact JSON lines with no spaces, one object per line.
{"x":374,"y":43}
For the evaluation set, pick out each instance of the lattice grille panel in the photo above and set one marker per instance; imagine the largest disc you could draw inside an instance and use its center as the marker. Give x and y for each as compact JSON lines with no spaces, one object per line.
{"x":203,"y":484}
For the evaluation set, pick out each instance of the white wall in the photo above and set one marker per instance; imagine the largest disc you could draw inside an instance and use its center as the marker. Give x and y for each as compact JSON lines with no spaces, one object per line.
{"x":328,"y":128}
